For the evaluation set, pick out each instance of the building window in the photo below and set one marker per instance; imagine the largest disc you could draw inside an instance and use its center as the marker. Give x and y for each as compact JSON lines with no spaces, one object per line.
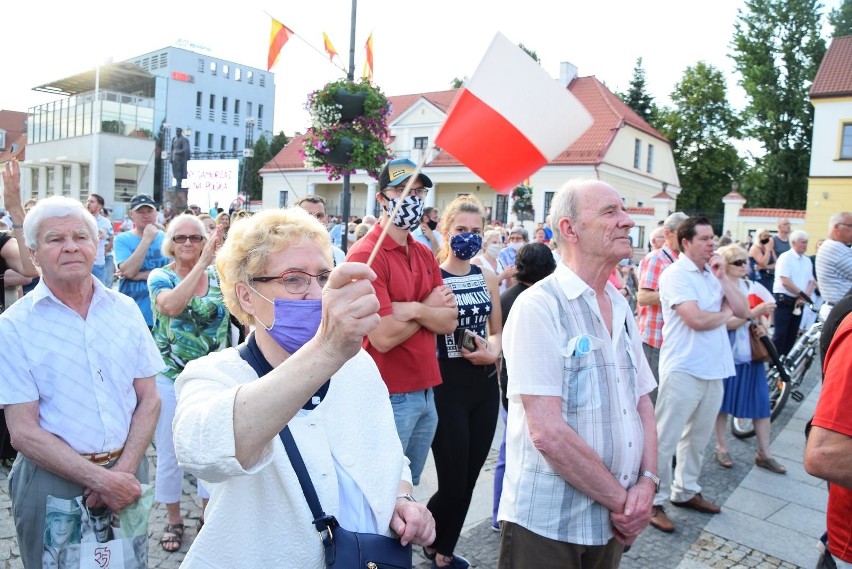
{"x":224,"y":104}
{"x":637,"y":154}
{"x":226,"y":71}
{"x":238,"y":74}
{"x":846,"y":143}
{"x":164,"y":59}
{"x":212,"y":68}
{"x":222,"y":141}
{"x":212,"y":102}
{"x":66,"y":181}
{"x":236,"y":106}
{"x":548,"y":197}
{"x":282,"y":198}
{"x":201,"y":65}
{"x":502,"y":213}
{"x":260,"y":111}
{"x":650,"y":157}
{"x":234,"y":144}
{"x":420,"y":142}
{"x":262,"y":81}
{"x":198,"y":98}
{"x":210,"y":141}
{"x":248,"y":109}
{"x":197,"y":139}
{"x":2,"y":140}
{"x":250,"y":76}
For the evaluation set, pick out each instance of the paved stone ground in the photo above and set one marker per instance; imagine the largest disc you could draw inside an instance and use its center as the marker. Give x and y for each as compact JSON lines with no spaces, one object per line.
{"x":690,"y":547}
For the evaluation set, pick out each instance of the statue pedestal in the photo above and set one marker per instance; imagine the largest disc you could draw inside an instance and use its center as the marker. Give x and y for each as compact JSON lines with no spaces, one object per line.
{"x":177,"y":198}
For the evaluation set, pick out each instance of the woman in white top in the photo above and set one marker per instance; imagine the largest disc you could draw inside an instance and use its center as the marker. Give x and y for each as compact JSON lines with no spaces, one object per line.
{"x":492,"y":244}
{"x":275,"y":271}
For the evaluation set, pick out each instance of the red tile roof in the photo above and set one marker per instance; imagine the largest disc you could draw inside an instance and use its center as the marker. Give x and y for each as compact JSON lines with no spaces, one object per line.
{"x":664,"y":195}
{"x":640,"y":210}
{"x":609,"y":113}
{"x":772,"y":212}
{"x":834,"y":76}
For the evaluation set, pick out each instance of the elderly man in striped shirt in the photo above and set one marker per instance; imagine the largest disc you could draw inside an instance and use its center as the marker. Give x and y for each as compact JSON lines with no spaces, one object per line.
{"x":581,"y":442}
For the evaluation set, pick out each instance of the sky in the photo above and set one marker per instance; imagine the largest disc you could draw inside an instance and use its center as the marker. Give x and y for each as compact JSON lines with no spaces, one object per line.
{"x":418,"y":46}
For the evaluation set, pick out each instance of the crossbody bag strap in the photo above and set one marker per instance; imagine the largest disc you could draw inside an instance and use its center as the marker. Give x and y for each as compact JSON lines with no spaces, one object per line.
{"x":324,"y":523}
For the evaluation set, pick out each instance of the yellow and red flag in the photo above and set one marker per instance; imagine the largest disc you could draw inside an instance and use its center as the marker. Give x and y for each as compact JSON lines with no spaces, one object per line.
{"x":368,"y":64}
{"x":329,"y":48}
{"x":277,"y":38}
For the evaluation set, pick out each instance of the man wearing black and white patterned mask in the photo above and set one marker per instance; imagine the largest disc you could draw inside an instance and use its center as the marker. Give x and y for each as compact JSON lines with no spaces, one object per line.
{"x":414,"y":306}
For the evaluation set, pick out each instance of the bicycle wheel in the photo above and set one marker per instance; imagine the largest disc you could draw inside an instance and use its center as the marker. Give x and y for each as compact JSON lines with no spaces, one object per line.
{"x":779,"y":391}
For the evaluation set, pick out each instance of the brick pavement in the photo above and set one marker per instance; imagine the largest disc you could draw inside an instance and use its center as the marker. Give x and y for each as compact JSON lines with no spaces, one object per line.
{"x":692,"y":546}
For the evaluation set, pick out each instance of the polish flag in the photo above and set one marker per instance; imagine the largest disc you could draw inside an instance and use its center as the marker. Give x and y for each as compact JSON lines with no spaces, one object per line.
{"x":511,"y":118}
{"x":758,"y":294}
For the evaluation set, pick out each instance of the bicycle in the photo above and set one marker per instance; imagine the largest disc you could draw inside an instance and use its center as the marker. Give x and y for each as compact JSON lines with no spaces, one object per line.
{"x":796,"y":364}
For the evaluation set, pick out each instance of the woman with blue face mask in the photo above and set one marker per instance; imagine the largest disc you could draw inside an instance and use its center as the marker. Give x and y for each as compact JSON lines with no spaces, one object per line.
{"x":302,"y":368}
{"x":468,"y":398}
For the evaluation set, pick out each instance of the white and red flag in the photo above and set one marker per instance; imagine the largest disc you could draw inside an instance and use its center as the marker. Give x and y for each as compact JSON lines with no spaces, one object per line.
{"x":511,"y":118}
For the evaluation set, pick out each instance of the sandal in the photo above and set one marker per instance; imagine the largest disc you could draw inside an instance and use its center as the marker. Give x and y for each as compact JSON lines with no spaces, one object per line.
{"x":172,"y":538}
{"x":770,"y":464}
{"x":724,"y":459}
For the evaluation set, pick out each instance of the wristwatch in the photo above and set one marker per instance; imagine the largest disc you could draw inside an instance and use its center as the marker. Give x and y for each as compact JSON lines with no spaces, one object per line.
{"x":652,"y":477}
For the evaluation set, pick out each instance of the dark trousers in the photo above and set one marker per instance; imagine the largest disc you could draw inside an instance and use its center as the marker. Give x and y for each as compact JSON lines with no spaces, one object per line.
{"x":786,"y":327}
{"x":520,"y":548}
{"x":467,"y":403}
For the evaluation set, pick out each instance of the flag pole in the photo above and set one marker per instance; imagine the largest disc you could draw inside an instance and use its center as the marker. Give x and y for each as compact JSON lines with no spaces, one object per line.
{"x":399,"y":201}
{"x":350,"y":75}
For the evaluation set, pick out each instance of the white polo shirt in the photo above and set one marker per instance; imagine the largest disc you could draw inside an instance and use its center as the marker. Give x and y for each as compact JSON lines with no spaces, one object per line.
{"x":705,"y":354}
{"x":81,"y":371}
{"x":797,"y":268}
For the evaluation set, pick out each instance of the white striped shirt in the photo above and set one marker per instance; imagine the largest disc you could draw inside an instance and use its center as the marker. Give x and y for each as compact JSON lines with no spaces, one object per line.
{"x":834,"y":270}
{"x":81,"y":371}
{"x":600,"y":386}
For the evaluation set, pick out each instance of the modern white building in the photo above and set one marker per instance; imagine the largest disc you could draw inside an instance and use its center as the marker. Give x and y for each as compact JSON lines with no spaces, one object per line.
{"x":110,"y":127}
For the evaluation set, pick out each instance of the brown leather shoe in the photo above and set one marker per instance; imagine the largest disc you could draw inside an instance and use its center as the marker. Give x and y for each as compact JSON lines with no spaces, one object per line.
{"x":660,"y":520}
{"x":698,"y":502}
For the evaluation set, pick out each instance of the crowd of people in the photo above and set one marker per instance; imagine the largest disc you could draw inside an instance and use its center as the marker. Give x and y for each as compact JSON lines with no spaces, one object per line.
{"x":286,"y":374}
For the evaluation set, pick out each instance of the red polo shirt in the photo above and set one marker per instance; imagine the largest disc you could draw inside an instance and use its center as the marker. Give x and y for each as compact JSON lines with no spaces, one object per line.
{"x":402,"y":277}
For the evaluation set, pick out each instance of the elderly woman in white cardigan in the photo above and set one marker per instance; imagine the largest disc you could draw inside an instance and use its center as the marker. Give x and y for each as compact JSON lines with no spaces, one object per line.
{"x":275,"y":271}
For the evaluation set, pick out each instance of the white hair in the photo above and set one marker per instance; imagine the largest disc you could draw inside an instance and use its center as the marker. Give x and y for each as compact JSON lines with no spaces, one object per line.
{"x":798,"y":235}
{"x":56,"y":206}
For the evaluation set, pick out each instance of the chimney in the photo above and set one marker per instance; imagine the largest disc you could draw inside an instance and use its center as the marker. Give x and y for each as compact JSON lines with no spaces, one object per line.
{"x":567,"y":73}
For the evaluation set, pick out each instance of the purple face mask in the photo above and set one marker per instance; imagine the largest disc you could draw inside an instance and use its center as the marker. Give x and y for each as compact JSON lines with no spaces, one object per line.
{"x":295,"y":322}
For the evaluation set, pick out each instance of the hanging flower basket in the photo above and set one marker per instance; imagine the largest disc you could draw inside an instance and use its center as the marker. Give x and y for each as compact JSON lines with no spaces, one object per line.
{"x":348,"y":129}
{"x":522,"y":202}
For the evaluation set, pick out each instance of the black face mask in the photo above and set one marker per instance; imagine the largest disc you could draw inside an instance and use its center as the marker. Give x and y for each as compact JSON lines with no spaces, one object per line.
{"x":432,"y":224}
{"x":764,"y":241}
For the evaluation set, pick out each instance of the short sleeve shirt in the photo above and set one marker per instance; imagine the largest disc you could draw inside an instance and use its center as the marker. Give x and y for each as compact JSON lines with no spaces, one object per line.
{"x":402,"y":276}
{"x":832,"y":413}
{"x":705,"y":354}
{"x":650,"y":318}
{"x":797,"y":268}
{"x":125,"y":244}
{"x":80,"y":370}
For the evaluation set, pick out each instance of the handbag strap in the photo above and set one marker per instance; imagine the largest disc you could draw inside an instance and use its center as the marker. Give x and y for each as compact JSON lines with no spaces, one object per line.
{"x":322,"y":521}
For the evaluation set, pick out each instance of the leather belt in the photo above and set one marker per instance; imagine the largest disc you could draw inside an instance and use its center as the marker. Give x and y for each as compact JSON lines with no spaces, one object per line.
{"x":102,"y":458}
{"x":784,"y":299}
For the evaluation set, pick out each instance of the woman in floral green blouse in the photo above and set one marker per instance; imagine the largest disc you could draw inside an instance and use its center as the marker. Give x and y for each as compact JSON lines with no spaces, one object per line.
{"x":190,"y":321}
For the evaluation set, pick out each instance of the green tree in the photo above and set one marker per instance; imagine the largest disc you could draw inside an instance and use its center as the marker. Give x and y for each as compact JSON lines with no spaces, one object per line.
{"x":841,"y":19}
{"x":700,"y":126}
{"x":265,"y":150}
{"x":637,"y":97}
{"x":777,"y":49}
{"x":530,"y":52}
{"x":457,"y":82}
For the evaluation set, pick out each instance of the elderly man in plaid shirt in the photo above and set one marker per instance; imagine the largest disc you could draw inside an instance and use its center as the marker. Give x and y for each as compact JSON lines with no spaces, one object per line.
{"x":581,"y":442}
{"x":650,"y":313}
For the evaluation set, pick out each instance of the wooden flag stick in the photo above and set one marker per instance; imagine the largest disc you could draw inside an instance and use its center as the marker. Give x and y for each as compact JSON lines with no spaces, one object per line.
{"x":392,"y":216}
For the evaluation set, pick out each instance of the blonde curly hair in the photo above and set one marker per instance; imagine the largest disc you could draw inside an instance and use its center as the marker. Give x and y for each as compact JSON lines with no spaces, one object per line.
{"x":245,"y":253}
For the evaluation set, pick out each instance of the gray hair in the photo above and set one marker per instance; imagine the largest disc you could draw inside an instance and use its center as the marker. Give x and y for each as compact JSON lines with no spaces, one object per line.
{"x":837,"y":218}
{"x":565,"y":203}
{"x":522,"y":231}
{"x":798,"y":235}
{"x":168,"y":247}
{"x":674,"y":220}
{"x":56,"y":206}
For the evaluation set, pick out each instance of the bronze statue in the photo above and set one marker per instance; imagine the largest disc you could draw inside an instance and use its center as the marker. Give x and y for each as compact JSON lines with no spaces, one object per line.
{"x":179,"y":157}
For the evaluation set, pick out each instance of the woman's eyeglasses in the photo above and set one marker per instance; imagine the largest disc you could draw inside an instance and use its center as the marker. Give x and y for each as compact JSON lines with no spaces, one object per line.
{"x":180,"y":239}
{"x":296,"y":282}
{"x":739,"y":262}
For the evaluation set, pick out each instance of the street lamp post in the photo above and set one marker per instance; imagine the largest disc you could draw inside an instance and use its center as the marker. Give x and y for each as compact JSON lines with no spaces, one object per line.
{"x":346,"y":189}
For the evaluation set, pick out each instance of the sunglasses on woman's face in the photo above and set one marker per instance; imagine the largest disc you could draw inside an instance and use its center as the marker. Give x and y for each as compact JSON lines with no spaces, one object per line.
{"x":739,"y":262}
{"x":180,"y":239}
